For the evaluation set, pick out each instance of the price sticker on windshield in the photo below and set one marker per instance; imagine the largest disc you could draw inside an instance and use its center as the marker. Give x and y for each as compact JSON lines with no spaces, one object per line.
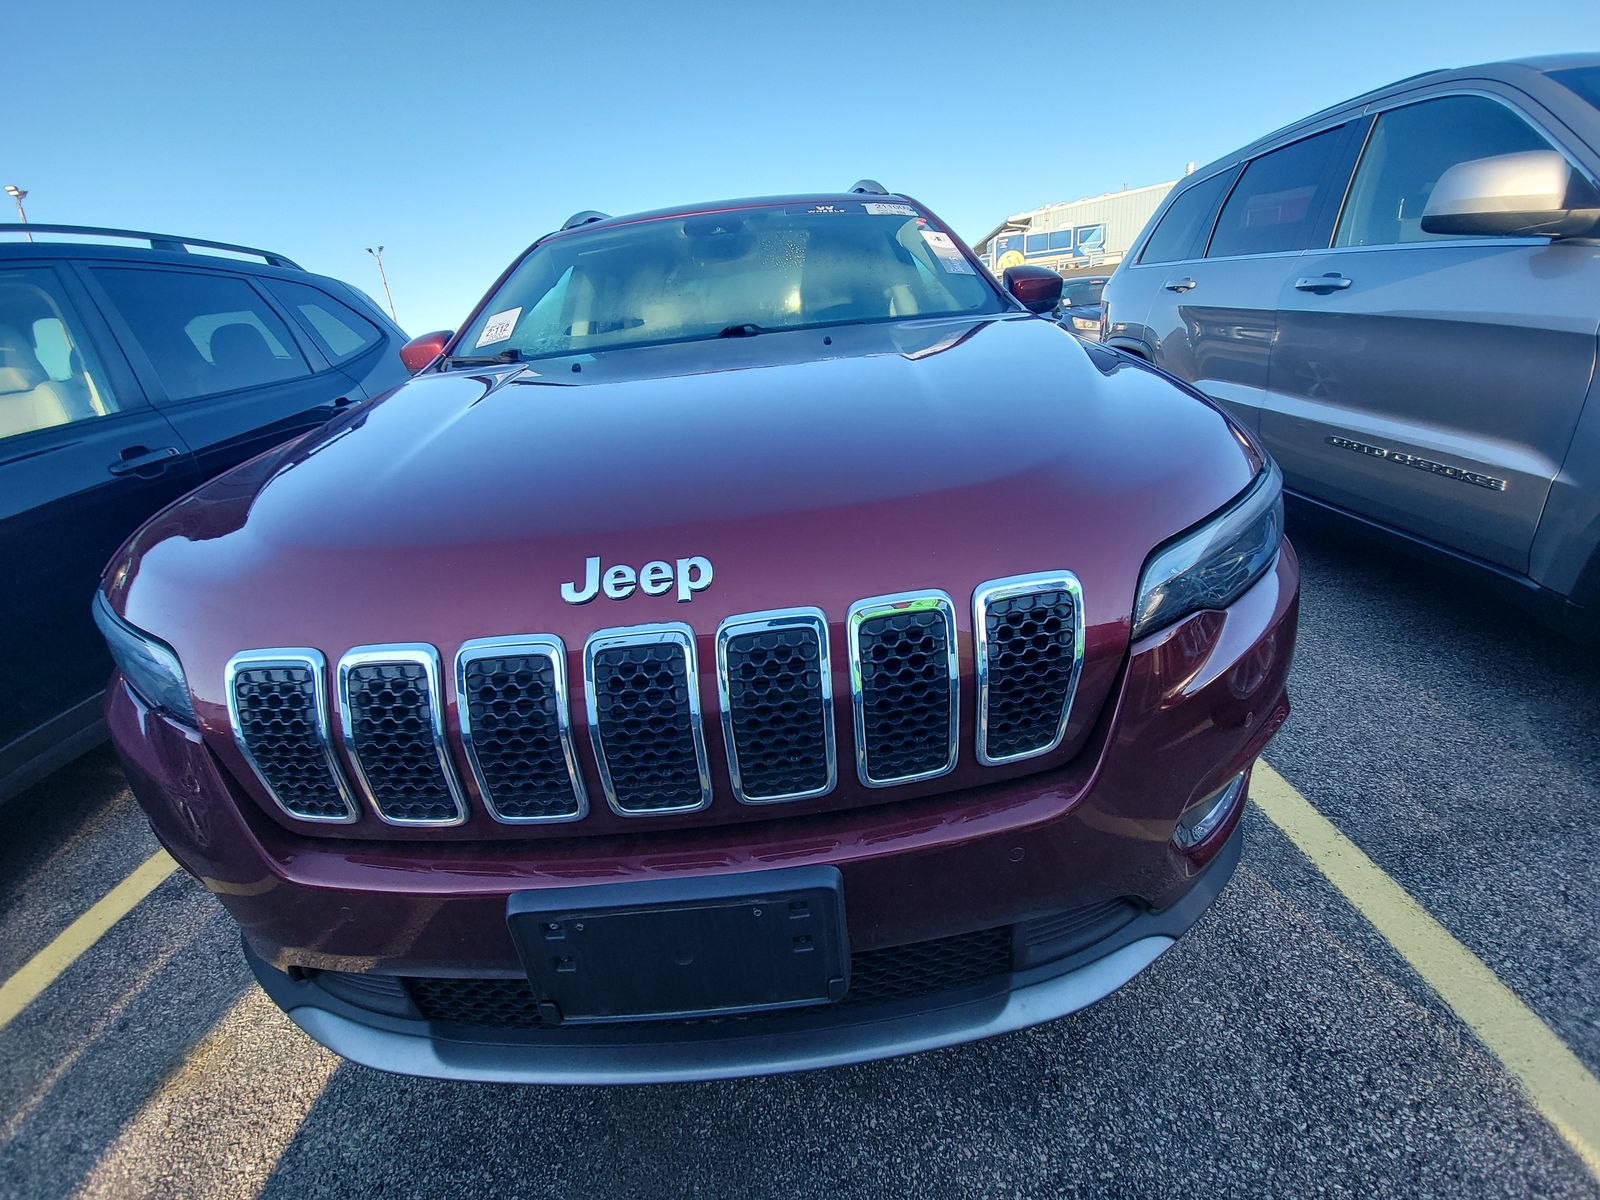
{"x":948,"y":254}
{"x":499,"y":327}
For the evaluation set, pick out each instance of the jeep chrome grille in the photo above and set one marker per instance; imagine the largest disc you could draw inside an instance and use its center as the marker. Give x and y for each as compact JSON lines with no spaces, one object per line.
{"x":393,"y":717}
{"x":644,"y":719}
{"x":645,"y":723}
{"x":903,"y":686}
{"x":1028,"y":634}
{"x":777,"y":705}
{"x":511,"y":697}
{"x":279,"y":712}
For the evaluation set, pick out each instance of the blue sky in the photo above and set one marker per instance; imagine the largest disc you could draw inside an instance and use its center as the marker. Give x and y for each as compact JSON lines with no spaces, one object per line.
{"x":456,"y":134}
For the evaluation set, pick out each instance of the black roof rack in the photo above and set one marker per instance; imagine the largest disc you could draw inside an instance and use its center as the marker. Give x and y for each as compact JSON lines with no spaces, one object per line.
{"x":157,"y":241}
{"x":586,"y":217}
{"x":868,"y":187}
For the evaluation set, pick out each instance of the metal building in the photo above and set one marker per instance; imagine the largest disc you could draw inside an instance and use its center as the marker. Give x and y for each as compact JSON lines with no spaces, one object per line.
{"x":1087,"y":236}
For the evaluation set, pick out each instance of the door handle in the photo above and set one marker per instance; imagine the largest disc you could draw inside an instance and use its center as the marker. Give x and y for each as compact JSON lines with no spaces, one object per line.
{"x":1332,"y":282}
{"x":1179,"y":285}
{"x":136,"y":459}
{"x":342,"y":403}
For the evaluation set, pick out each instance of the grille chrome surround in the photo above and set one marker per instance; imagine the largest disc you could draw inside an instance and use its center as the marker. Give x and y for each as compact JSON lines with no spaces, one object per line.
{"x":753,"y":625}
{"x":875,"y":608}
{"x":984,"y":599}
{"x":292,"y":659}
{"x":554,"y":652}
{"x":604,"y":642}
{"x":401,"y":654}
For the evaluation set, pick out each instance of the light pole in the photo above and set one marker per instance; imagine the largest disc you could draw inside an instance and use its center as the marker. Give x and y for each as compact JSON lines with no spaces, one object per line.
{"x":18,"y":194}
{"x":377,"y":254}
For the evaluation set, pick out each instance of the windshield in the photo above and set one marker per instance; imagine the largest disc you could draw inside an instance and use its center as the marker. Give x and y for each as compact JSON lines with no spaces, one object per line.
{"x":728,"y":274}
{"x":1082,"y":293}
{"x":1584,"y":82}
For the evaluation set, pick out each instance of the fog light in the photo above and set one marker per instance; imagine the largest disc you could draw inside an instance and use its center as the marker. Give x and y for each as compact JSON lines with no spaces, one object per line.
{"x":1206,"y":817}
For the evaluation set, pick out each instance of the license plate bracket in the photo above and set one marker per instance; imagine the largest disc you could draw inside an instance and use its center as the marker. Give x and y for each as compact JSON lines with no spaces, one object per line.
{"x":683,"y":948}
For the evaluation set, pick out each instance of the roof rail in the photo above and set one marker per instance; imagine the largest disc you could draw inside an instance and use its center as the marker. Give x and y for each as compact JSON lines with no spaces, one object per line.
{"x":868,"y":187}
{"x":157,"y":241}
{"x":587,"y":216}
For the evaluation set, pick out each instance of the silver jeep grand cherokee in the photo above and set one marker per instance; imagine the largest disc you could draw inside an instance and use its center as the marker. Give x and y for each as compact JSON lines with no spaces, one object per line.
{"x":1401,"y":296}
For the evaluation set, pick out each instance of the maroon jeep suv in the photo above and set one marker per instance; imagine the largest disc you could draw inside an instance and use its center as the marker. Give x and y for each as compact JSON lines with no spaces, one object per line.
{"x":757,"y":642}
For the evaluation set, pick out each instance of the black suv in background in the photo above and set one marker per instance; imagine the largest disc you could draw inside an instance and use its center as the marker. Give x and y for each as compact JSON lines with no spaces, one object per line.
{"x":129,"y":374}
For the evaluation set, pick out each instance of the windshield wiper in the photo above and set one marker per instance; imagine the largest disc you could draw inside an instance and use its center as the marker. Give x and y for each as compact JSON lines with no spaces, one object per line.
{"x":485,"y":360}
{"x":748,"y":329}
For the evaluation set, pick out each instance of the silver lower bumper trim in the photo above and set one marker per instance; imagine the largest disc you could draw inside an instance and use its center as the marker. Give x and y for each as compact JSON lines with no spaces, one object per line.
{"x":719,"y":1053}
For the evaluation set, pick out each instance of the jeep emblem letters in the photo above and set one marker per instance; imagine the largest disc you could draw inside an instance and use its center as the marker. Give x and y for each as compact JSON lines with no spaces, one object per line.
{"x":653,"y":579}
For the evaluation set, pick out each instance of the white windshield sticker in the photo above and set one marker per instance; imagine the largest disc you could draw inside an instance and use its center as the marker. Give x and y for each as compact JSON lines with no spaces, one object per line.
{"x":948,"y":254}
{"x":499,"y":327}
{"x":890,"y":210}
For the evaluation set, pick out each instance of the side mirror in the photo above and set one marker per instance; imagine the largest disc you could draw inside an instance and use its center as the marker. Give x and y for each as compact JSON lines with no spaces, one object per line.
{"x":422,"y":350}
{"x":1534,"y":193}
{"x":1038,"y":288}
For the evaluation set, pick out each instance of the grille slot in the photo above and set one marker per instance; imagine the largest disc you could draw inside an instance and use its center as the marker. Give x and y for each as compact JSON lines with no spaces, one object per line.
{"x":511,"y":698}
{"x":643,"y":699}
{"x":777,"y":705}
{"x":903,"y":683}
{"x":876,"y":977}
{"x":393,"y":717}
{"x":1028,"y":631}
{"x":279,"y":712}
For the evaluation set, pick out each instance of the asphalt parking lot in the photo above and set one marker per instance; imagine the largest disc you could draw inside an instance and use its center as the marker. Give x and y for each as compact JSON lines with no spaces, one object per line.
{"x":1285,"y":1048}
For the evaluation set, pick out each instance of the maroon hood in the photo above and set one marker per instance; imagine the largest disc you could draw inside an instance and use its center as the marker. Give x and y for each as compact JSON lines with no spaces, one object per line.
{"x":810,"y":467}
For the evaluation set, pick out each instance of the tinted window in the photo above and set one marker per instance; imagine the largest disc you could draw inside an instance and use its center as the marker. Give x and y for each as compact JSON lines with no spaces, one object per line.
{"x":1409,"y":149}
{"x":1082,"y":293}
{"x":338,"y":330}
{"x":1583,"y":82}
{"x":48,"y":374}
{"x":204,"y":333}
{"x":1184,"y":226}
{"x":1280,"y":199}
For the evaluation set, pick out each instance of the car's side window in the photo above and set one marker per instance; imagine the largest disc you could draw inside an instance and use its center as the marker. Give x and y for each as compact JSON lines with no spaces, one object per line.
{"x":204,"y":332}
{"x":49,"y":374}
{"x":1279,"y":203}
{"x":1409,"y":149}
{"x":338,"y":330}
{"x":1183,"y":228}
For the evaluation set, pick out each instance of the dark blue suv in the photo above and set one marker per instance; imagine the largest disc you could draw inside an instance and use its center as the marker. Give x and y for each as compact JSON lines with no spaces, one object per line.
{"x":129,"y":374}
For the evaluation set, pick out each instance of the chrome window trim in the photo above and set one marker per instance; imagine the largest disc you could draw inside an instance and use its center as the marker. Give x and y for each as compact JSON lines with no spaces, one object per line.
{"x":293,"y":656}
{"x":875,"y":606}
{"x":425,"y":656}
{"x":760,"y":622}
{"x":541,"y":645}
{"x":672,"y":632}
{"x":986,"y":594}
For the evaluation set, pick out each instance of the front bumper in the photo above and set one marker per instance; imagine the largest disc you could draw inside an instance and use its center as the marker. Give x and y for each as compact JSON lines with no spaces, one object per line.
{"x":1196,"y":704}
{"x":679,"y":1052}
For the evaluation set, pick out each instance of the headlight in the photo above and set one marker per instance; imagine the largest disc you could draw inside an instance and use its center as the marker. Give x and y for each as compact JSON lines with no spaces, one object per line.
{"x":1212,"y":566}
{"x":1086,"y":324}
{"x":149,"y":666}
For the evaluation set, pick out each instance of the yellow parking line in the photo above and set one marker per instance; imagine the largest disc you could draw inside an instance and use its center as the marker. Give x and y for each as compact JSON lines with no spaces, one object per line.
{"x":1555,"y":1080}
{"x":40,"y":971}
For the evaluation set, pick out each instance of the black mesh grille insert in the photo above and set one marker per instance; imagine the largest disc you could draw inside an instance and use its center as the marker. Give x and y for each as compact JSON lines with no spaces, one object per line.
{"x":392,"y":735}
{"x":279,"y":722}
{"x":906,"y":693}
{"x":775,"y":703}
{"x":1032,"y":647}
{"x":514,"y":714}
{"x":645,"y":725}
{"x":876,"y":976}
